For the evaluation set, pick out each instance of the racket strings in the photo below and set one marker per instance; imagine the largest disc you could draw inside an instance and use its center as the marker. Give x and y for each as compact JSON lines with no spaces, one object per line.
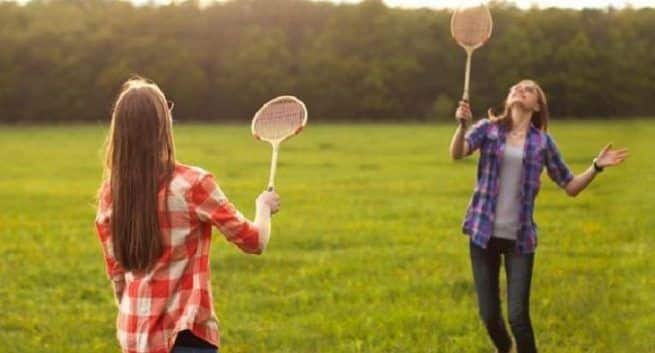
{"x":472,"y":26}
{"x":279,"y":120}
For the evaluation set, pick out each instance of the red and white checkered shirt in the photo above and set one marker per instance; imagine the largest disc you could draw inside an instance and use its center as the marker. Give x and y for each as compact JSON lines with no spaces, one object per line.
{"x":175,"y":295}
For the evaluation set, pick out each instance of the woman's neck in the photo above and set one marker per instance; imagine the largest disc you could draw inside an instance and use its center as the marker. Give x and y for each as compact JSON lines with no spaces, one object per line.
{"x":520,"y":119}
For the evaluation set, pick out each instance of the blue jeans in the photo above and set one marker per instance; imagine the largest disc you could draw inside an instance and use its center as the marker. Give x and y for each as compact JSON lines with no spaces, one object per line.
{"x":178,"y":349}
{"x":518,"y":269}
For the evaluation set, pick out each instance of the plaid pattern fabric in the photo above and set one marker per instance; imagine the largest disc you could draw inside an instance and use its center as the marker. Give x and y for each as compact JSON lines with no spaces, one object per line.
{"x":539,"y":150}
{"x":175,"y":295}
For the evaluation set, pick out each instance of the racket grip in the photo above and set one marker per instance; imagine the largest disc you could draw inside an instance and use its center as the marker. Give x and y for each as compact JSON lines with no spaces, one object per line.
{"x":271,"y":179}
{"x":467,"y":75}
{"x":465,"y":99}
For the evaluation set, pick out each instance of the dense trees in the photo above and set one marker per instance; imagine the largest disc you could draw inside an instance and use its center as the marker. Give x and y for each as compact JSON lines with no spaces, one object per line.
{"x":63,"y":60}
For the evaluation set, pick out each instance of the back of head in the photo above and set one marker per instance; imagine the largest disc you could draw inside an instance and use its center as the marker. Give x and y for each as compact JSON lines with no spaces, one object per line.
{"x":139,"y":161}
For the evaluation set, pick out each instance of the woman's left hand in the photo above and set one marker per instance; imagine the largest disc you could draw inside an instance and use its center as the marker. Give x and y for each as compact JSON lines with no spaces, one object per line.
{"x":609,"y":157}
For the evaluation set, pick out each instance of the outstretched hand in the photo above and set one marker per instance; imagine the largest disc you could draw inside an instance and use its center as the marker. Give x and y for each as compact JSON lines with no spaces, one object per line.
{"x":609,"y":157}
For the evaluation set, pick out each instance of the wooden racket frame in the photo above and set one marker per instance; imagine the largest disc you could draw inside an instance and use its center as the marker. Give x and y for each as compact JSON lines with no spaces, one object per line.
{"x":275,"y":143}
{"x":470,"y":49}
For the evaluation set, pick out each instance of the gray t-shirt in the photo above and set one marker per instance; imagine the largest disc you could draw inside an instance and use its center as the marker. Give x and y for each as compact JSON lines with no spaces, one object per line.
{"x":508,"y":205}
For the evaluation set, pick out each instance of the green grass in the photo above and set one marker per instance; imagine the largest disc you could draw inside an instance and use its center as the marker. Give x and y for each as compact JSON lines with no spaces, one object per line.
{"x":366,"y":254}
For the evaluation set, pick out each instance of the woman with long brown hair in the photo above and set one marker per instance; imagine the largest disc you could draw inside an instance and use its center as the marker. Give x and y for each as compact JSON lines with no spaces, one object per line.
{"x":154,"y":221}
{"x":514,"y":149}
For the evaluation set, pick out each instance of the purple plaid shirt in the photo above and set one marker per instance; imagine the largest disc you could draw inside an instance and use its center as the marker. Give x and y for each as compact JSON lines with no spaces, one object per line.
{"x":539,"y":150}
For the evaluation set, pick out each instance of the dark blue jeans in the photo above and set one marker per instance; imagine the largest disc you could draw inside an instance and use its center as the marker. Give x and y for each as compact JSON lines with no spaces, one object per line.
{"x":486,"y":271}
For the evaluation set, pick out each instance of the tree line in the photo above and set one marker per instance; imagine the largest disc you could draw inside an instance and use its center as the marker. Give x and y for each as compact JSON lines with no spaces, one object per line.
{"x":64,"y":60}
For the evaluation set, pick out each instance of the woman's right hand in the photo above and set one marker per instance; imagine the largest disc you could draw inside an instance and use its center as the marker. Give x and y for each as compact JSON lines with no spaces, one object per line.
{"x":463,"y":113}
{"x":269,"y":199}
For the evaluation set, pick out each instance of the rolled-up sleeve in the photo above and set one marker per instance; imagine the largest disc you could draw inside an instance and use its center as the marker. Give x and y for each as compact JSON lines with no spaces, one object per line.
{"x":476,"y":136}
{"x":558,"y":171}
{"x":212,"y":206}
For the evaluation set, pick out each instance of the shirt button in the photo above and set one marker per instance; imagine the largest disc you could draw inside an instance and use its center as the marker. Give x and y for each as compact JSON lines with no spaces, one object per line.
{"x":143,"y":309}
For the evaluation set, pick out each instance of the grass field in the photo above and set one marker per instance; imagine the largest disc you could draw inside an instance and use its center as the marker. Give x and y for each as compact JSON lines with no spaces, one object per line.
{"x":366,"y":254}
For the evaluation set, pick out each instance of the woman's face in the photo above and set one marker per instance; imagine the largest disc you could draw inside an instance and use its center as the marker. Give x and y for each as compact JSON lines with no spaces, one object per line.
{"x":525,"y":94}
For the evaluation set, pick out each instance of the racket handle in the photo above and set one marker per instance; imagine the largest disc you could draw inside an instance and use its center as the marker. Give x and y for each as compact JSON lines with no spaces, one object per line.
{"x":467,"y":76}
{"x":271,"y":179}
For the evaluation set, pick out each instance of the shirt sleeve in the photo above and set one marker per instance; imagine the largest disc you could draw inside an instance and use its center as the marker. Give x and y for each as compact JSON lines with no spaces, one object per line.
{"x":558,"y":171}
{"x":103,"y":228}
{"x":476,"y":136}
{"x":212,"y":206}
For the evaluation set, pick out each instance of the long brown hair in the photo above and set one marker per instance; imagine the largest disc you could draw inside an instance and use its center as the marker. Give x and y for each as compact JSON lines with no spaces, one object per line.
{"x":139,"y":160}
{"x":539,"y":118}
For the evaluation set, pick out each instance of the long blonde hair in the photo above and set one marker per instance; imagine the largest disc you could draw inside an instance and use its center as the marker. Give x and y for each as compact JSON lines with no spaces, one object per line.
{"x":139,"y":160}
{"x":539,"y":118}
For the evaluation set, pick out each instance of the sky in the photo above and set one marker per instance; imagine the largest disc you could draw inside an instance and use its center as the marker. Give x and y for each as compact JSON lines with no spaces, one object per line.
{"x":521,"y":3}
{"x":454,"y":3}
{"x":577,"y":4}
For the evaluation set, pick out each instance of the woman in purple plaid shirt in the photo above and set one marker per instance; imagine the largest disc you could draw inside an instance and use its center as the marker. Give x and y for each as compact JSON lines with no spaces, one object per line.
{"x":514,"y":148}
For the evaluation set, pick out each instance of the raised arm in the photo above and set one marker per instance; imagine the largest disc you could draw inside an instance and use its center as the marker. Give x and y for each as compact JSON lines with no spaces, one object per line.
{"x":458,"y":146}
{"x":267,"y":204}
{"x":466,"y":142}
{"x":212,"y":206}
{"x":607,"y":157}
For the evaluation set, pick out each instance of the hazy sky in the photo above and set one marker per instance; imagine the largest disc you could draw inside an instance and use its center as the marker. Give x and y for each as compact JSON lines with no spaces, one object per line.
{"x":521,"y":3}
{"x":454,"y":3}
